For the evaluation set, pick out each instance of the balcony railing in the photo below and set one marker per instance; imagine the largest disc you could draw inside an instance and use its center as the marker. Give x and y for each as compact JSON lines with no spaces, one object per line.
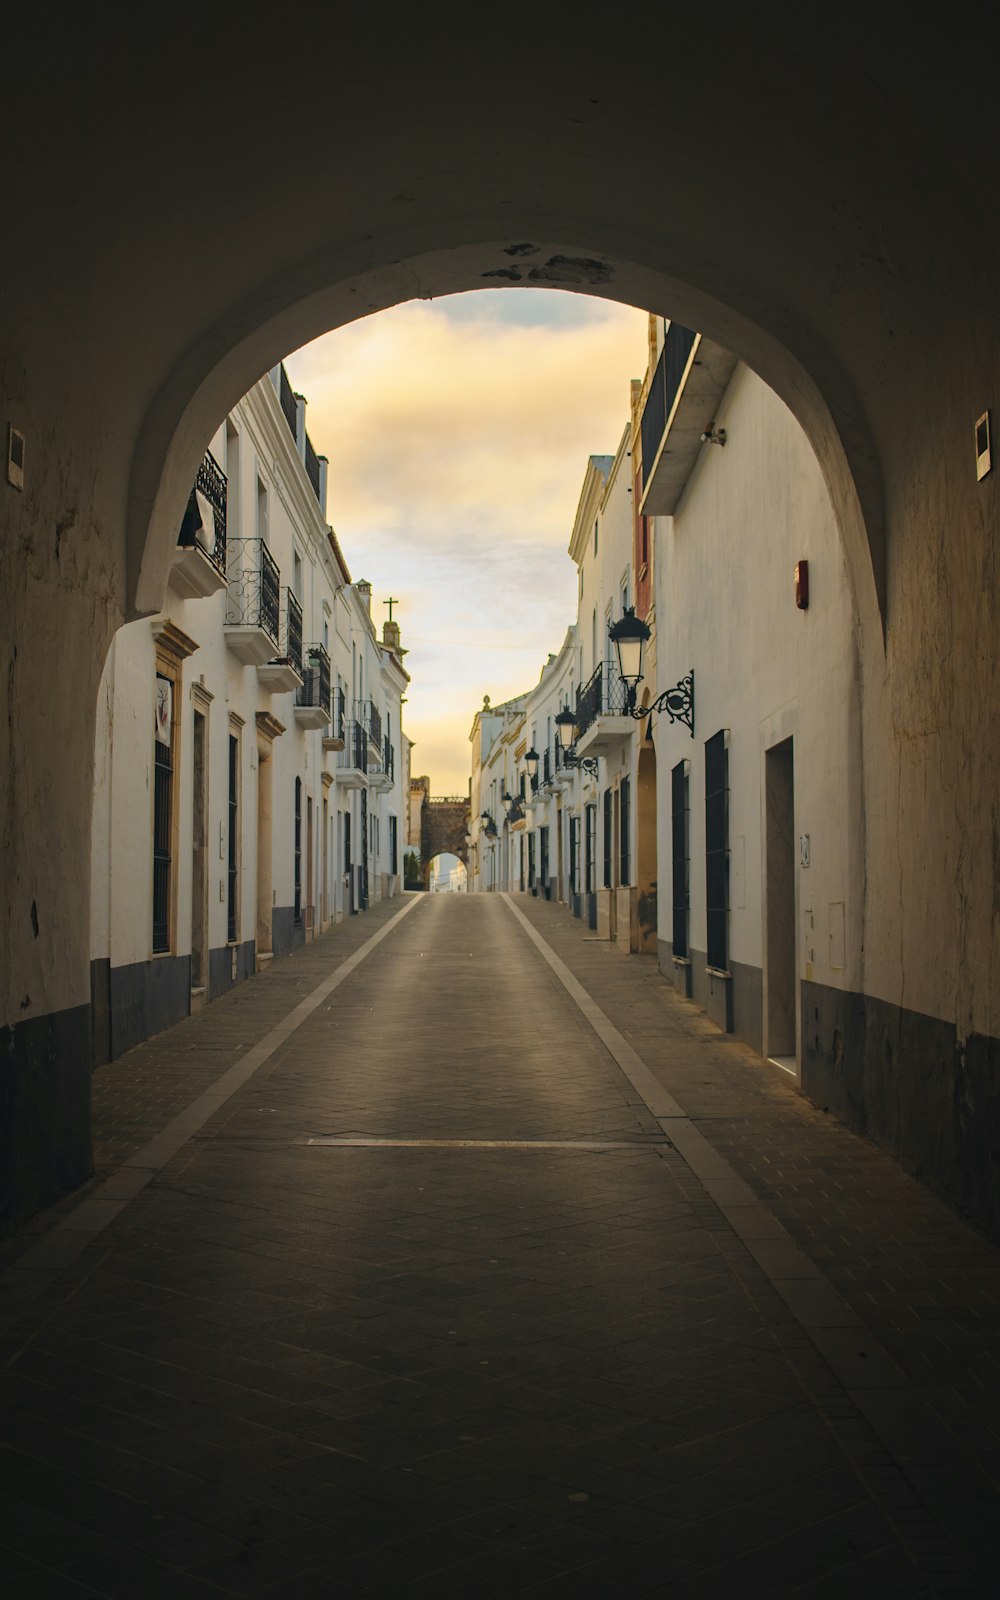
{"x":290,"y":637}
{"x":286,"y":395}
{"x":254,"y":585}
{"x":312,"y":466}
{"x":340,"y":714}
{"x":663,"y":389}
{"x":546,"y":773}
{"x":207,"y":531}
{"x":355,"y":751}
{"x":603,"y":695}
{"x":315,"y":690}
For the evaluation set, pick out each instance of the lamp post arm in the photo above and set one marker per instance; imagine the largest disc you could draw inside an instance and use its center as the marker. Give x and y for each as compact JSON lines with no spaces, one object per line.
{"x":677,"y":703}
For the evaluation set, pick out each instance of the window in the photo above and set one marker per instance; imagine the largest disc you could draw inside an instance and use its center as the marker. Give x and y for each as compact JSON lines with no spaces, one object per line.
{"x":393,"y":867}
{"x":574,"y":855}
{"x":234,"y":839}
{"x":608,"y":835}
{"x":163,"y":796}
{"x":590,"y":865}
{"x":595,"y":538}
{"x":297,"y":574}
{"x":543,"y":856}
{"x":531,"y":860}
{"x":261,"y":509}
{"x":680,"y":833}
{"x":717,"y":849}
{"x":625,"y":823}
{"x":297,"y":853}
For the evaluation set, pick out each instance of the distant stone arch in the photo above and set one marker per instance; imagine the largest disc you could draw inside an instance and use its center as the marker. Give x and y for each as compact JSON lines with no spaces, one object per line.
{"x":444,"y":822}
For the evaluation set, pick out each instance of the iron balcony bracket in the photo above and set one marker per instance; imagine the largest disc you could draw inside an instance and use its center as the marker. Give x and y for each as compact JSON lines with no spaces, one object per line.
{"x":677,"y":703}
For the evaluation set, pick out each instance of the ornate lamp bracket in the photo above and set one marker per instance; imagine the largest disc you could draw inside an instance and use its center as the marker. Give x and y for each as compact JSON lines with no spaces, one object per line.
{"x":677,"y":703}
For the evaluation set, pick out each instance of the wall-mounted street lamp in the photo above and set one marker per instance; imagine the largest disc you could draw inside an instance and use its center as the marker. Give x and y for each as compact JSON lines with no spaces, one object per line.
{"x":531,"y":767}
{"x":506,"y":800}
{"x":566,"y":733}
{"x":629,"y":636}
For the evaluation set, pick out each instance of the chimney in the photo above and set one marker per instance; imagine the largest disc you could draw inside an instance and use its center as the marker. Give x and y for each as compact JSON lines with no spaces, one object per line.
{"x":300,"y":424}
{"x":324,"y":466}
{"x":364,"y":589}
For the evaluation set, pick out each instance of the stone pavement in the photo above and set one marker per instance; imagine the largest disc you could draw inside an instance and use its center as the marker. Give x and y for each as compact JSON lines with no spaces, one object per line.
{"x":430,"y":1300}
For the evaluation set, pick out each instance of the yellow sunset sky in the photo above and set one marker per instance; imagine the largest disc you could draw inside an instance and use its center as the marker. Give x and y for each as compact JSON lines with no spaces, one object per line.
{"x":458,"y":433}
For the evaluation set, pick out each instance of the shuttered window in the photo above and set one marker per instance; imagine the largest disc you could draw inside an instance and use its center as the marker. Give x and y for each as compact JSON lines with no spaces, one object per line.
{"x":297,"y":848}
{"x":717,"y":849}
{"x":625,"y":861}
{"x":234,"y":838}
{"x":608,"y":833}
{"x":680,"y":833}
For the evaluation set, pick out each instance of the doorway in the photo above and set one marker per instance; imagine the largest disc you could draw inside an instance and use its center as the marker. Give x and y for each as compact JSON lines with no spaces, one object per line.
{"x":780,"y":1034}
{"x":199,"y":861}
{"x":265,"y":898}
{"x":310,"y":904}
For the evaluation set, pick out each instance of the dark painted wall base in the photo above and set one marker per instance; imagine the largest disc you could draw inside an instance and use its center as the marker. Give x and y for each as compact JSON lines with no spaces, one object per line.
{"x":905,"y":1080}
{"x":45,"y":1144}
{"x":591,"y":903}
{"x":131,"y":1003}
{"x":576,"y":904}
{"x":221,"y":976}
{"x":286,"y":933}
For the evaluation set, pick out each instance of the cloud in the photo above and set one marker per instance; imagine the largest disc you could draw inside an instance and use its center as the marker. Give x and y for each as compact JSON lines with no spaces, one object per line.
{"x":458,"y":433}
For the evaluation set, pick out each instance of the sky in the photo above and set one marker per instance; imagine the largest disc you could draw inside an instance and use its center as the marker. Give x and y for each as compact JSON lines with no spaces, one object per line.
{"x":458,"y":432}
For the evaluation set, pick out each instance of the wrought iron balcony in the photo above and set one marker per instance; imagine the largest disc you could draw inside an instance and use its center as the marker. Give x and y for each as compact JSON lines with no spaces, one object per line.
{"x":602,"y":718}
{"x":199,"y":567}
{"x":312,"y":701}
{"x":284,"y":671}
{"x":686,"y":389}
{"x":352,"y":761}
{"x":375,"y":724}
{"x":254,"y":602}
{"x":312,"y":466}
{"x":286,"y":398}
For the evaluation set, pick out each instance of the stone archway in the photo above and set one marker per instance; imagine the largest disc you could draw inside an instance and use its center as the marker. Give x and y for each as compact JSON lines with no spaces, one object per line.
{"x":819,"y":223}
{"x":444,"y":822}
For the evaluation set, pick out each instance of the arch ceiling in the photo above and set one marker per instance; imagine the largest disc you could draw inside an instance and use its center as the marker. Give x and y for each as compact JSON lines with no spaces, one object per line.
{"x":230,"y":201}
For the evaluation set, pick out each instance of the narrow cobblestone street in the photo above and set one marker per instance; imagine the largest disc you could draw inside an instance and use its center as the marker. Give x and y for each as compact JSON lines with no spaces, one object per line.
{"x":482,"y":1266}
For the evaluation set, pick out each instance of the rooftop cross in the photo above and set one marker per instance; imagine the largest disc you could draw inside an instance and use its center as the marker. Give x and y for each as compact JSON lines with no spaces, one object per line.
{"x":392,"y":601}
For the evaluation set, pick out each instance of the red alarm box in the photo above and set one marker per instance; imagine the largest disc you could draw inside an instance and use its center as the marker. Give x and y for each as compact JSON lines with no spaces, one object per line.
{"x":802,"y":585}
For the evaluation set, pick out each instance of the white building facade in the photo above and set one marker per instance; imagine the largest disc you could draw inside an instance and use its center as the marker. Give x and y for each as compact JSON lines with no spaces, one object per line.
{"x":721,"y":833}
{"x":250,"y":787}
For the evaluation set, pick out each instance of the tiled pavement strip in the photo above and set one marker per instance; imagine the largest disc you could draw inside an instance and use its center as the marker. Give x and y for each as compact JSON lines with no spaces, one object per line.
{"x":300,"y":1369}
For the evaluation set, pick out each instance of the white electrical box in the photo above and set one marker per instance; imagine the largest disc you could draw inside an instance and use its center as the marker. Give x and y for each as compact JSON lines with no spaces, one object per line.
{"x":15,"y":458}
{"x":984,"y":459}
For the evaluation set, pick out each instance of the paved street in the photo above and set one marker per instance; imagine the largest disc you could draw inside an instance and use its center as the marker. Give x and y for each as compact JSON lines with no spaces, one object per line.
{"x":426,"y":1277}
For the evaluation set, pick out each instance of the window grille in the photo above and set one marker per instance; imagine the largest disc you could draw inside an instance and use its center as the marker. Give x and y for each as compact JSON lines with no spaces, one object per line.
{"x":543,"y":856}
{"x":591,"y":845}
{"x":392,"y":846}
{"x":717,"y":849}
{"x":680,"y":825}
{"x":608,"y":850}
